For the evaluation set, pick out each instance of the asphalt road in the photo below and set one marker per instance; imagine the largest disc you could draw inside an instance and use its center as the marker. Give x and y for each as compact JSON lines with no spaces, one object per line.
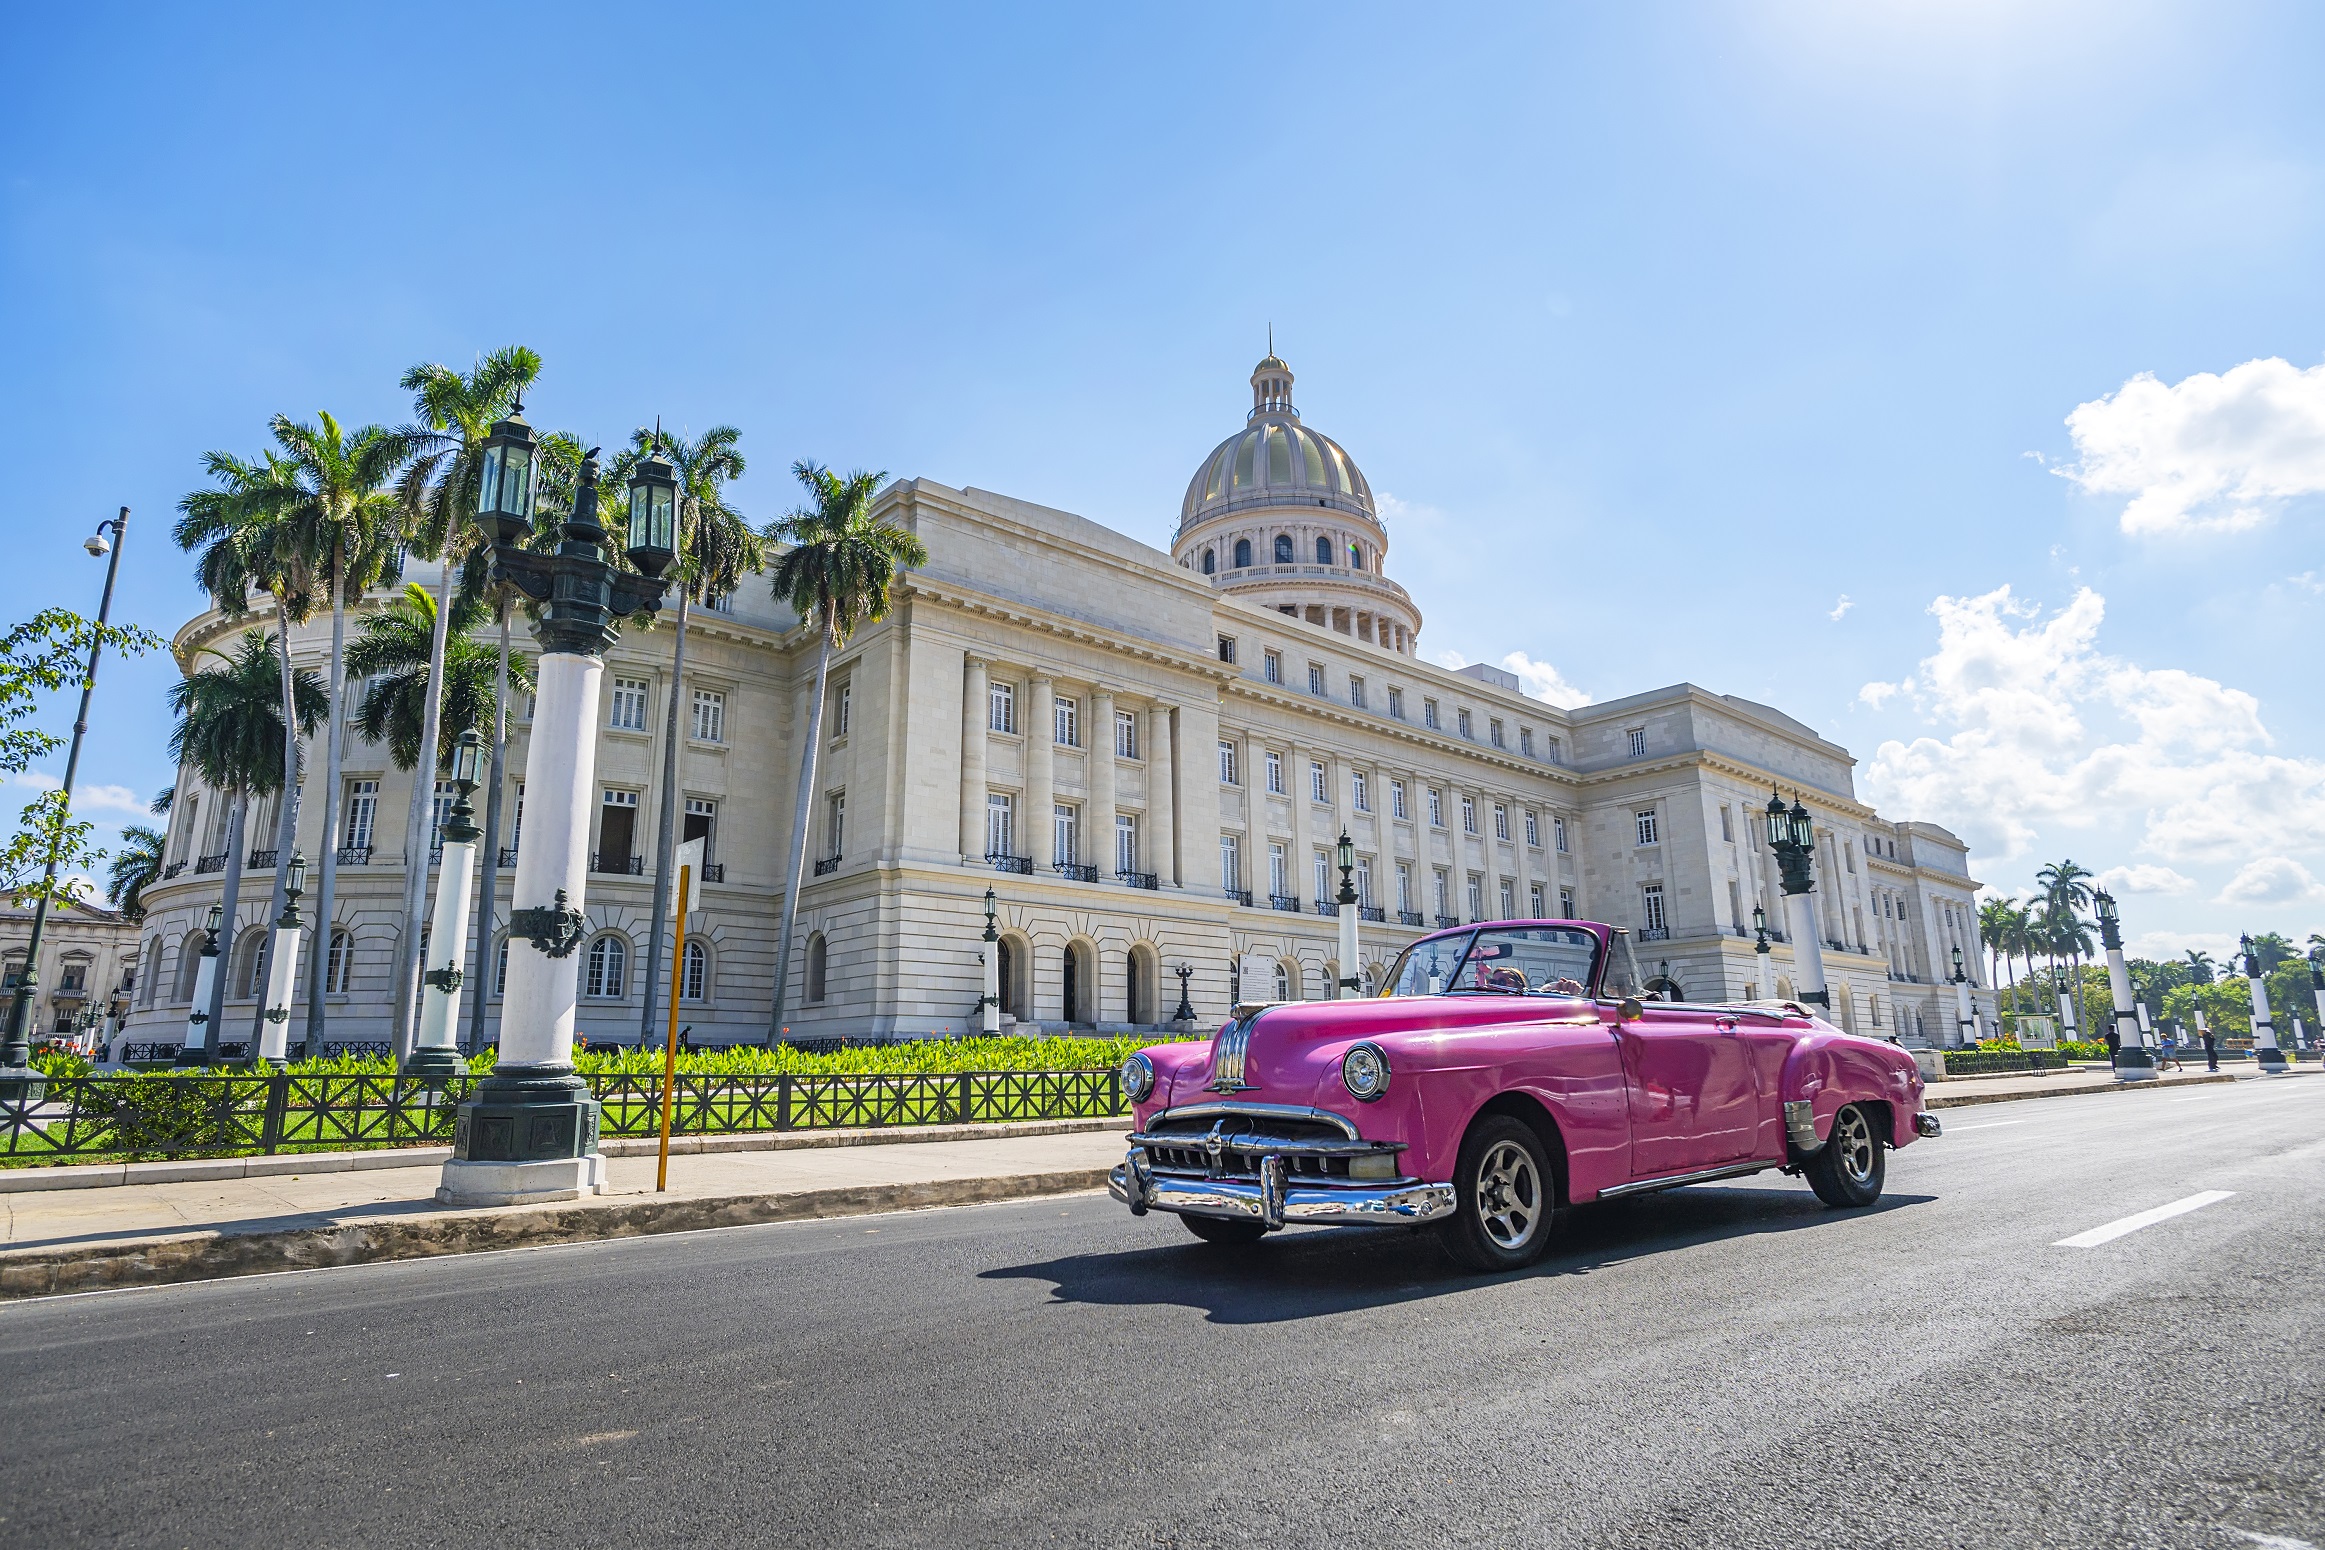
{"x":1727,"y":1365}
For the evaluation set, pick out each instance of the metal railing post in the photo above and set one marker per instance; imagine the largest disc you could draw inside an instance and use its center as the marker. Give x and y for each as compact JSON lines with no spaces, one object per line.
{"x":967,"y":1092}
{"x":278,"y":1098}
{"x":783,"y":1101}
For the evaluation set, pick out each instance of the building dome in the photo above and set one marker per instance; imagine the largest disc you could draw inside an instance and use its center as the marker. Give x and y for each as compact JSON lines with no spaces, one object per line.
{"x":1281,"y":511}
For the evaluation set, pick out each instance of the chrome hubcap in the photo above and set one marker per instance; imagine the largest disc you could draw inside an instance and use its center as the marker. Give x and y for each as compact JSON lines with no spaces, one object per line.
{"x":1509,"y":1195}
{"x":1855,"y":1139}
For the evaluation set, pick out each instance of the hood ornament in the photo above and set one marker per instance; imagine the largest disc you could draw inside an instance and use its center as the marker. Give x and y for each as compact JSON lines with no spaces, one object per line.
{"x":1227,"y":1056}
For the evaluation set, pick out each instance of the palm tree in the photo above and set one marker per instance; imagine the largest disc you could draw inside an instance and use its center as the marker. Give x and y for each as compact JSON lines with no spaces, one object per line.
{"x":1994,"y":936}
{"x":438,"y":493}
{"x":230,"y":732}
{"x":836,"y":575}
{"x":341,"y":501}
{"x":716,"y":548}
{"x":2272,"y":949}
{"x":135,"y":866}
{"x":2066,"y":893}
{"x":2201,"y":968}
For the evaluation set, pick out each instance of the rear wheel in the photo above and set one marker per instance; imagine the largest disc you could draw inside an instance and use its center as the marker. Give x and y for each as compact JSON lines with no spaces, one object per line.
{"x":1848,"y":1170}
{"x":1224,"y":1230}
{"x":1503,"y":1198}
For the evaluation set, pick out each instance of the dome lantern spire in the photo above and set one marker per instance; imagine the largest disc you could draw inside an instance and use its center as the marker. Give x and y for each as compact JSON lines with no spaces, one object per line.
{"x":1271,"y":384}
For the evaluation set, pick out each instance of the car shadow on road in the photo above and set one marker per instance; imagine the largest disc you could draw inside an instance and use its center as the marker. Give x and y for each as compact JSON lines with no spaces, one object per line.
{"x":1315,"y":1272}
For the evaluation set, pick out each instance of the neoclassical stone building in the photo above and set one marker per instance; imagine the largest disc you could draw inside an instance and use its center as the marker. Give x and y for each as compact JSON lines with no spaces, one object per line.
{"x":1147,"y":758}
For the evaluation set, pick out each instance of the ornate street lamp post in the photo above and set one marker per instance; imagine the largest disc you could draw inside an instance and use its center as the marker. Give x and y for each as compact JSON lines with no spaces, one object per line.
{"x":1793,"y":837}
{"x":529,"y":1131}
{"x":2132,"y":1059}
{"x":196,"y":1050}
{"x":2264,"y":1032}
{"x":435,"y":1055}
{"x":989,"y":1004}
{"x":17,"y":1078}
{"x":1965,"y":1011}
{"x":1185,"y":1011}
{"x":1765,"y":985}
{"x":1344,"y":857}
{"x":282,"y":976}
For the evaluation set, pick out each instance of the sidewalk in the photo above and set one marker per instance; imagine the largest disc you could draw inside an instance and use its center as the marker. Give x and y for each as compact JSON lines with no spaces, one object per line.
{"x":146,"y":1234}
{"x":1960,"y":1092}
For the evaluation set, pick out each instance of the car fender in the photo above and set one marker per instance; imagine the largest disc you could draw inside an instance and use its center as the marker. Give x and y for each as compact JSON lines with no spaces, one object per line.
{"x":1829,"y":1070}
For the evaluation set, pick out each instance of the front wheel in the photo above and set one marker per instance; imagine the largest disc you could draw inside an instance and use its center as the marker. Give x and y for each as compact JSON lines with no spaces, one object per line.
{"x":1849,"y":1168}
{"x":1504,"y":1199}
{"x":1226,"y":1231}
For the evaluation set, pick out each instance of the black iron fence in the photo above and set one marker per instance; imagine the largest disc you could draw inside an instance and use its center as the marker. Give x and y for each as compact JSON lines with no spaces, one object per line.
{"x":114,"y":1118}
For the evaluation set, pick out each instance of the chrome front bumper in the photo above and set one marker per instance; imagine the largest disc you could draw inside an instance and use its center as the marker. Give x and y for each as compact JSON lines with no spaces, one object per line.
{"x":1272,"y":1200}
{"x":1926,"y":1126}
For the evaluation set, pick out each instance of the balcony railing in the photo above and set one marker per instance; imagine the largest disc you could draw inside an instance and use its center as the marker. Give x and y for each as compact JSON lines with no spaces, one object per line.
{"x":1447,"y":920}
{"x":1327,"y":907}
{"x":1146,"y":880}
{"x":827,"y":866}
{"x":714,"y":871}
{"x":436,"y":853}
{"x":634,"y":866}
{"x":215,"y":863}
{"x":1372,"y":912}
{"x":1240,"y":896}
{"x":172,"y":870}
{"x":1077,"y":871}
{"x":1284,"y":902}
{"x":355,"y":855}
{"x":1655,"y":934}
{"x":1006,"y":863}
{"x":1409,"y":918}
{"x":508,"y":855}
{"x":260,"y":860}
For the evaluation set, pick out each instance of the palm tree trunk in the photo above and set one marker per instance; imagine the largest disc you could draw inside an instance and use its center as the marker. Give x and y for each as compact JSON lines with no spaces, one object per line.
{"x":799,"y":812}
{"x":286,"y":828}
{"x":666,"y":840}
{"x":484,"y":970}
{"x":417,"y":834}
{"x":327,"y":890}
{"x":213,"y":1035}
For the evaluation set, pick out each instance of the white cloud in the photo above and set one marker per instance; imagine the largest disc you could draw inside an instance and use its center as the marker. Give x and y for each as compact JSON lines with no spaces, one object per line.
{"x":117,"y":799}
{"x":2164,"y":946}
{"x":38,"y":780}
{"x":1878,"y":694}
{"x":2044,"y":731}
{"x":1840,"y":608}
{"x":2144,"y":878}
{"x":2213,"y":453}
{"x":2272,"y":880}
{"x":1545,"y":682}
{"x":1400,"y":513}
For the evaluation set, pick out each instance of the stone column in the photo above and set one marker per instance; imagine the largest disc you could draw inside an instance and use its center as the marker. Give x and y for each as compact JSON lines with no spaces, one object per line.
{"x":1493,"y":855}
{"x":1525,"y":886}
{"x":1040,"y":738}
{"x":1161,"y":799}
{"x":1303,"y":867}
{"x":1098,"y":816}
{"x":975,"y":691}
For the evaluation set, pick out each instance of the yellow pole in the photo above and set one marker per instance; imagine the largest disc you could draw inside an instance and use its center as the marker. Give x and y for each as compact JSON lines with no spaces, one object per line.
{"x":670,"y":1047}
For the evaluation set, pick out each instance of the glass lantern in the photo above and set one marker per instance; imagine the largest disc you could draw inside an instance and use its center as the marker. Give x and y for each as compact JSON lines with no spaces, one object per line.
{"x":653,"y":514}
{"x":468,"y":760}
{"x":295,"y":875}
{"x":504,"y":491}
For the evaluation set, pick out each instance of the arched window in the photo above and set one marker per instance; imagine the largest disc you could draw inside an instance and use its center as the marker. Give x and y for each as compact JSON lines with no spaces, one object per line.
{"x":248,"y":954}
{"x":189,"y":965}
{"x":1283,"y":982}
{"x":150,"y":958}
{"x":608,"y":960}
{"x":694,"y":984}
{"x":339,"y":970}
{"x":815,"y":969}
{"x":1210,"y":562}
{"x":1323,"y":550}
{"x":1242,"y":553}
{"x":1283,"y":548}
{"x":500,"y":969}
{"x":1356,"y":556}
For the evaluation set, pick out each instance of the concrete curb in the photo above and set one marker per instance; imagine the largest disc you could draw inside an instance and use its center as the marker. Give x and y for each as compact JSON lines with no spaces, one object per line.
{"x":212,"y":1256}
{"x":201,"y":1169}
{"x":1933,"y":1100}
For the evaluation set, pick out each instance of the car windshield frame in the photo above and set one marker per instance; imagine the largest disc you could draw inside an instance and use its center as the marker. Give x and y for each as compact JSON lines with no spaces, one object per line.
{"x":1468,"y":937}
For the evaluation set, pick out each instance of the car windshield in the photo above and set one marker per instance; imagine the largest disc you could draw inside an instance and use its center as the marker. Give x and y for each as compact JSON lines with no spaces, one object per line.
{"x":1505,"y":960}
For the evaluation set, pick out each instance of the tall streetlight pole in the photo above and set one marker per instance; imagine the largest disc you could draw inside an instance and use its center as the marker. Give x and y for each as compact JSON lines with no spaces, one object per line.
{"x":1793,"y":837}
{"x":1765,"y":985}
{"x":1965,"y":1013}
{"x":2132,"y":1059}
{"x":435,"y":1056}
{"x":17,"y":1078}
{"x":272,"y":1046}
{"x":529,"y":1131}
{"x":1344,"y":857}
{"x":989,"y":1004}
{"x":2264,"y":1033}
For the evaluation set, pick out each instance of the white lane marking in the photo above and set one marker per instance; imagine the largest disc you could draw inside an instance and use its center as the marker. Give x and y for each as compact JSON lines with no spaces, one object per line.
{"x":2272,"y":1541}
{"x":2116,"y":1229}
{"x":1995,"y":1124}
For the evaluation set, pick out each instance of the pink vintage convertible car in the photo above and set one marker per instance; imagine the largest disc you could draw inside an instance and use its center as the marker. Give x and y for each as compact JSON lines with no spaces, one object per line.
{"x":1507,"y":1070}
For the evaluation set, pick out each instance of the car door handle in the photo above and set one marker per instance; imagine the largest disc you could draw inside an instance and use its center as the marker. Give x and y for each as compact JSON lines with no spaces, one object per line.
{"x":1725,"y":1024}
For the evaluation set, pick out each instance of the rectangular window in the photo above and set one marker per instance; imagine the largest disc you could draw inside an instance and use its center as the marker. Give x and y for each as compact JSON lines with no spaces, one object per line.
{"x":1227,"y":649}
{"x":1404,"y":888}
{"x":362,"y":813}
{"x":1509,"y":900}
{"x":1436,"y":808}
{"x":1231,"y":863}
{"x":1126,"y":734}
{"x":1493,"y":732}
{"x":1360,"y":790}
{"x":1125,"y":842}
{"x":1468,"y":815}
{"x":1727,"y":823}
{"x":1534,"y":901}
{"x":1501,"y":822}
{"x":1066,"y":833}
{"x":1736,"y":904}
{"x":1315,"y":678}
{"x":1278,"y":870}
{"x":617,"y":830}
{"x":1442,"y":892}
{"x":628,"y":709}
{"x":1533,"y":830}
{"x":1001,"y":715}
{"x":1635,"y":740}
{"x":1397,"y":703}
{"x":1429,"y":715}
{"x":835,"y":825}
{"x":1462,"y":724}
{"x":1651,"y":908}
{"x":1558,"y":832}
{"x":1325,"y":892}
{"x":1275,"y":772}
{"x":440,"y":808}
{"x":1272,"y":667}
{"x":1066,"y":727}
{"x":1476,"y":897}
{"x":1526,"y":742}
{"x":517,"y":826}
{"x":1650,"y":832}
{"x":1356,"y":691}
{"x":701,"y":824}
{"x":1000,"y":824}
{"x":1558,"y":756}
{"x":843,"y":714}
{"x":1230,"y":767}
{"x":1397,"y":800}
{"x":1319,"y":788}
{"x":1566,"y":909}
{"x":1364,"y":881}
{"x":710,"y":716}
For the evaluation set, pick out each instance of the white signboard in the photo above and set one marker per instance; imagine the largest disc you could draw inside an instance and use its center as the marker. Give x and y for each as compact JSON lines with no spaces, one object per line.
{"x":1256,"y":977}
{"x":2037,"y":1033}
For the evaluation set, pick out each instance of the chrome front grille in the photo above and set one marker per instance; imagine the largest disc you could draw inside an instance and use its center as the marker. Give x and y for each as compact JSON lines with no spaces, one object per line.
{"x":1227,"y":1141}
{"x":1236,"y":1163}
{"x":1227,"y":1056}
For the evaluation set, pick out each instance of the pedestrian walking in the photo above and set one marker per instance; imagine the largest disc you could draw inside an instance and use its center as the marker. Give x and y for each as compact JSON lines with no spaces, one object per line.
{"x":2211,"y":1052}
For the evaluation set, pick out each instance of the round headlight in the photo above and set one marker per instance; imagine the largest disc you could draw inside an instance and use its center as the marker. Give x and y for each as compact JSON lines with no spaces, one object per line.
{"x":1137,"y":1076}
{"x":1364,"y":1071}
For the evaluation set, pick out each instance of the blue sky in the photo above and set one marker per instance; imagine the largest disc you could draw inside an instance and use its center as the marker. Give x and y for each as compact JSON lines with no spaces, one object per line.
{"x":1711,"y":343}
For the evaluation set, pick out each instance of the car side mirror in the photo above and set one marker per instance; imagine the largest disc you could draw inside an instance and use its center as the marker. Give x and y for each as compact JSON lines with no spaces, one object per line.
{"x":1629,"y":1010}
